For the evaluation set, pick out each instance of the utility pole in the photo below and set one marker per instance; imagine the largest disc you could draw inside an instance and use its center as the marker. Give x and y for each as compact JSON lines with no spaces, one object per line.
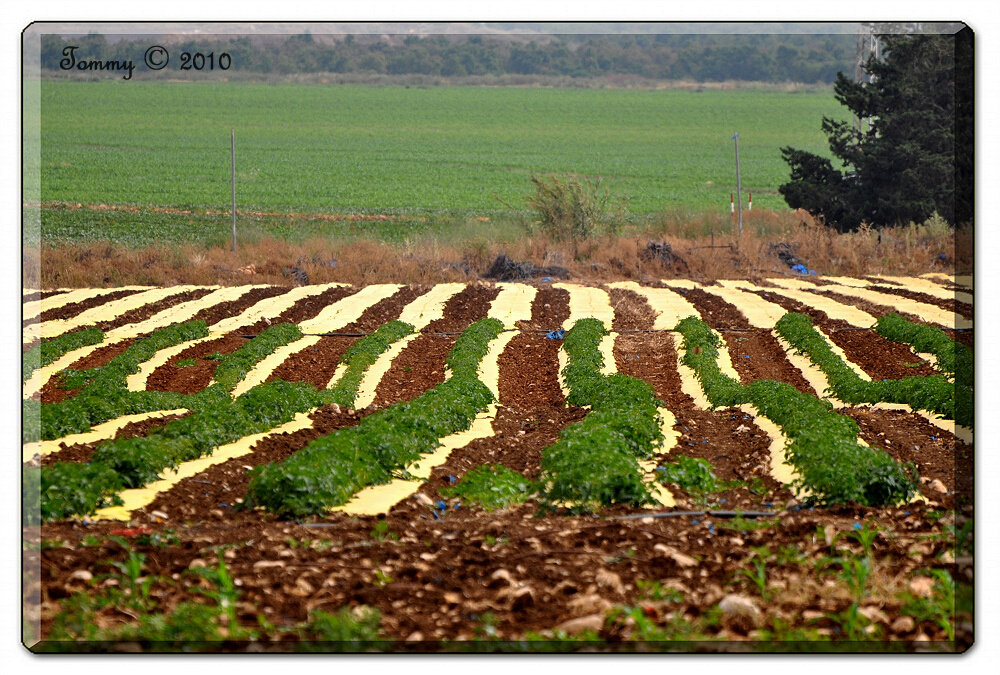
{"x":233,"y":149}
{"x":739,"y":199}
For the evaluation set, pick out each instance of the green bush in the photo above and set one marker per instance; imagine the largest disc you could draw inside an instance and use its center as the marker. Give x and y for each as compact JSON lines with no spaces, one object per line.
{"x":571,"y":209}
{"x":50,"y":350}
{"x":492,"y":487}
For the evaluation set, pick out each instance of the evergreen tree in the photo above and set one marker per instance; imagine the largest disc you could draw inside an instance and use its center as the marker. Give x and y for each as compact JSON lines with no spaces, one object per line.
{"x":915,"y":158}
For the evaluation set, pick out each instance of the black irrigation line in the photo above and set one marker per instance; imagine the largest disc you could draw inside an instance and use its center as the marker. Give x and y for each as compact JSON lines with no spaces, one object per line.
{"x":640,"y":516}
{"x":711,"y":514}
{"x":543,"y":331}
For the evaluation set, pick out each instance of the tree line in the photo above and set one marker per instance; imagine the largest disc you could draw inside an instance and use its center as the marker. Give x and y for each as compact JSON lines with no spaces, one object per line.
{"x":806,"y":58}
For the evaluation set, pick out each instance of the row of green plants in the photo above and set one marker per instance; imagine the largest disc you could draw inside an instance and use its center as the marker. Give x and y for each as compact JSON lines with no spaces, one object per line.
{"x":953,"y":358}
{"x":104,"y":391}
{"x":69,"y":488}
{"x":331,"y":469}
{"x":48,"y":350}
{"x":832,"y":467}
{"x":594,"y":462}
{"x":933,"y":393}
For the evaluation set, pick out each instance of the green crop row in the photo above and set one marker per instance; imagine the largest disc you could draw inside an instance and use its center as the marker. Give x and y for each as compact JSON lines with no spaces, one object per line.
{"x":77,"y":489}
{"x":833,"y":468}
{"x":330,"y":470}
{"x":105,"y":395}
{"x":50,"y":350}
{"x":594,"y":461}
{"x":361,"y":355}
{"x":953,"y":358}
{"x":931,"y":392}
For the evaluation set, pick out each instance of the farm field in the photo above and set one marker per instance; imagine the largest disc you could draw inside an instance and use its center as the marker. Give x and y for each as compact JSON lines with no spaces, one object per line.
{"x":519,"y":467}
{"x":346,"y":148}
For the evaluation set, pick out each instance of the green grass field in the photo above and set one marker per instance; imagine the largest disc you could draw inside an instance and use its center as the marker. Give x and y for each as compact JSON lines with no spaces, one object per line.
{"x":316,"y":148}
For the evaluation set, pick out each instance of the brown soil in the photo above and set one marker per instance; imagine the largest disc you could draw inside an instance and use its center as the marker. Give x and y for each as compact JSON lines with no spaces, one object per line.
{"x":878,"y":358}
{"x":530,"y":361}
{"x":142,"y":313}
{"x":81,"y":452}
{"x":192,"y":378}
{"x":224,"y":310}
{"x":302,"y":310}
{"x":52,"y":392}
{"x":318,"y":363}
{"x":951,"y":305}
{"x":444,"y":569}
{"x":71,"y":310}
{"x":632,"y":312}
{"x":421,"y":364}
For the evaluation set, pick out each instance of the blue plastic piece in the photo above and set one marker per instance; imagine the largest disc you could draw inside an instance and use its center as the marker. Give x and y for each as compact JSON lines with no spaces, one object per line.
{"x":557,"y":334}
{"x":546,"y":279}
{"x":440,"y":506}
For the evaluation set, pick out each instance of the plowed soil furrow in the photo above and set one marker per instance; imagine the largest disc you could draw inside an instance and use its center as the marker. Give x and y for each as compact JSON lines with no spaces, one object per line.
{"x":961,"y":308}
{"x":420,"y":366}
{"x":82,"y":452}
{"x":224,"y":485}
{"x":908,"y":437}
{"x":52,"y":392}
{"x":188,"y":379}
{"x":303,"y":310}
{"x":71,"y":310}
{"x":632,"y":312}
{"x":521,"y":435}
{"x":318,"y":363}
{"x":755,"y":353}
{"x":736,"y":448}
{"x":224,"y":310}
{"x":529,"y":366}
{"x":876,"y":310}
{"x":877,"y":357}
{"x":142,"y":313}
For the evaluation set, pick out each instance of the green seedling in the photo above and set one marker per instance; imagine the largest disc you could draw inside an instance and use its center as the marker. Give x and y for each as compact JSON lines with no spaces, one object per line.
{"x":215,"y":357}
{"x":758,"y":576}
{"x":939,"y":608}
{"x":158,"y":539}
{"x":866,"y":536}
{"x":184,"y":363}
{"x":653,"y":590}
{"x":382,"y":579}
{"x":53,"y":543}
{"x":91,"y":540}
{"x":855,"y":572}
{"x":381,"y":532}
{"x":791,"y":555}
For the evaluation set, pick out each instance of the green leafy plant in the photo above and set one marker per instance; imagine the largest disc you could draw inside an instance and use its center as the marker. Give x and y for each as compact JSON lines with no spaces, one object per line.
{"x":347,"y":630}
{"x":932,"y":392}
{"x":186,"y":363}
{"x":939,"y":608}
{"x":855,"y":573}
{"x":50,"y":350}
{"x":594,"y":463}
{"x":865,"y":536}
{"x":491,"y":487}
{"x":758,"y":575}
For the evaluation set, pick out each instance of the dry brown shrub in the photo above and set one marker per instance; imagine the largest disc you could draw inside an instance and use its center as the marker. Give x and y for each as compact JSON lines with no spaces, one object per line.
{"x":708,"y":254}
